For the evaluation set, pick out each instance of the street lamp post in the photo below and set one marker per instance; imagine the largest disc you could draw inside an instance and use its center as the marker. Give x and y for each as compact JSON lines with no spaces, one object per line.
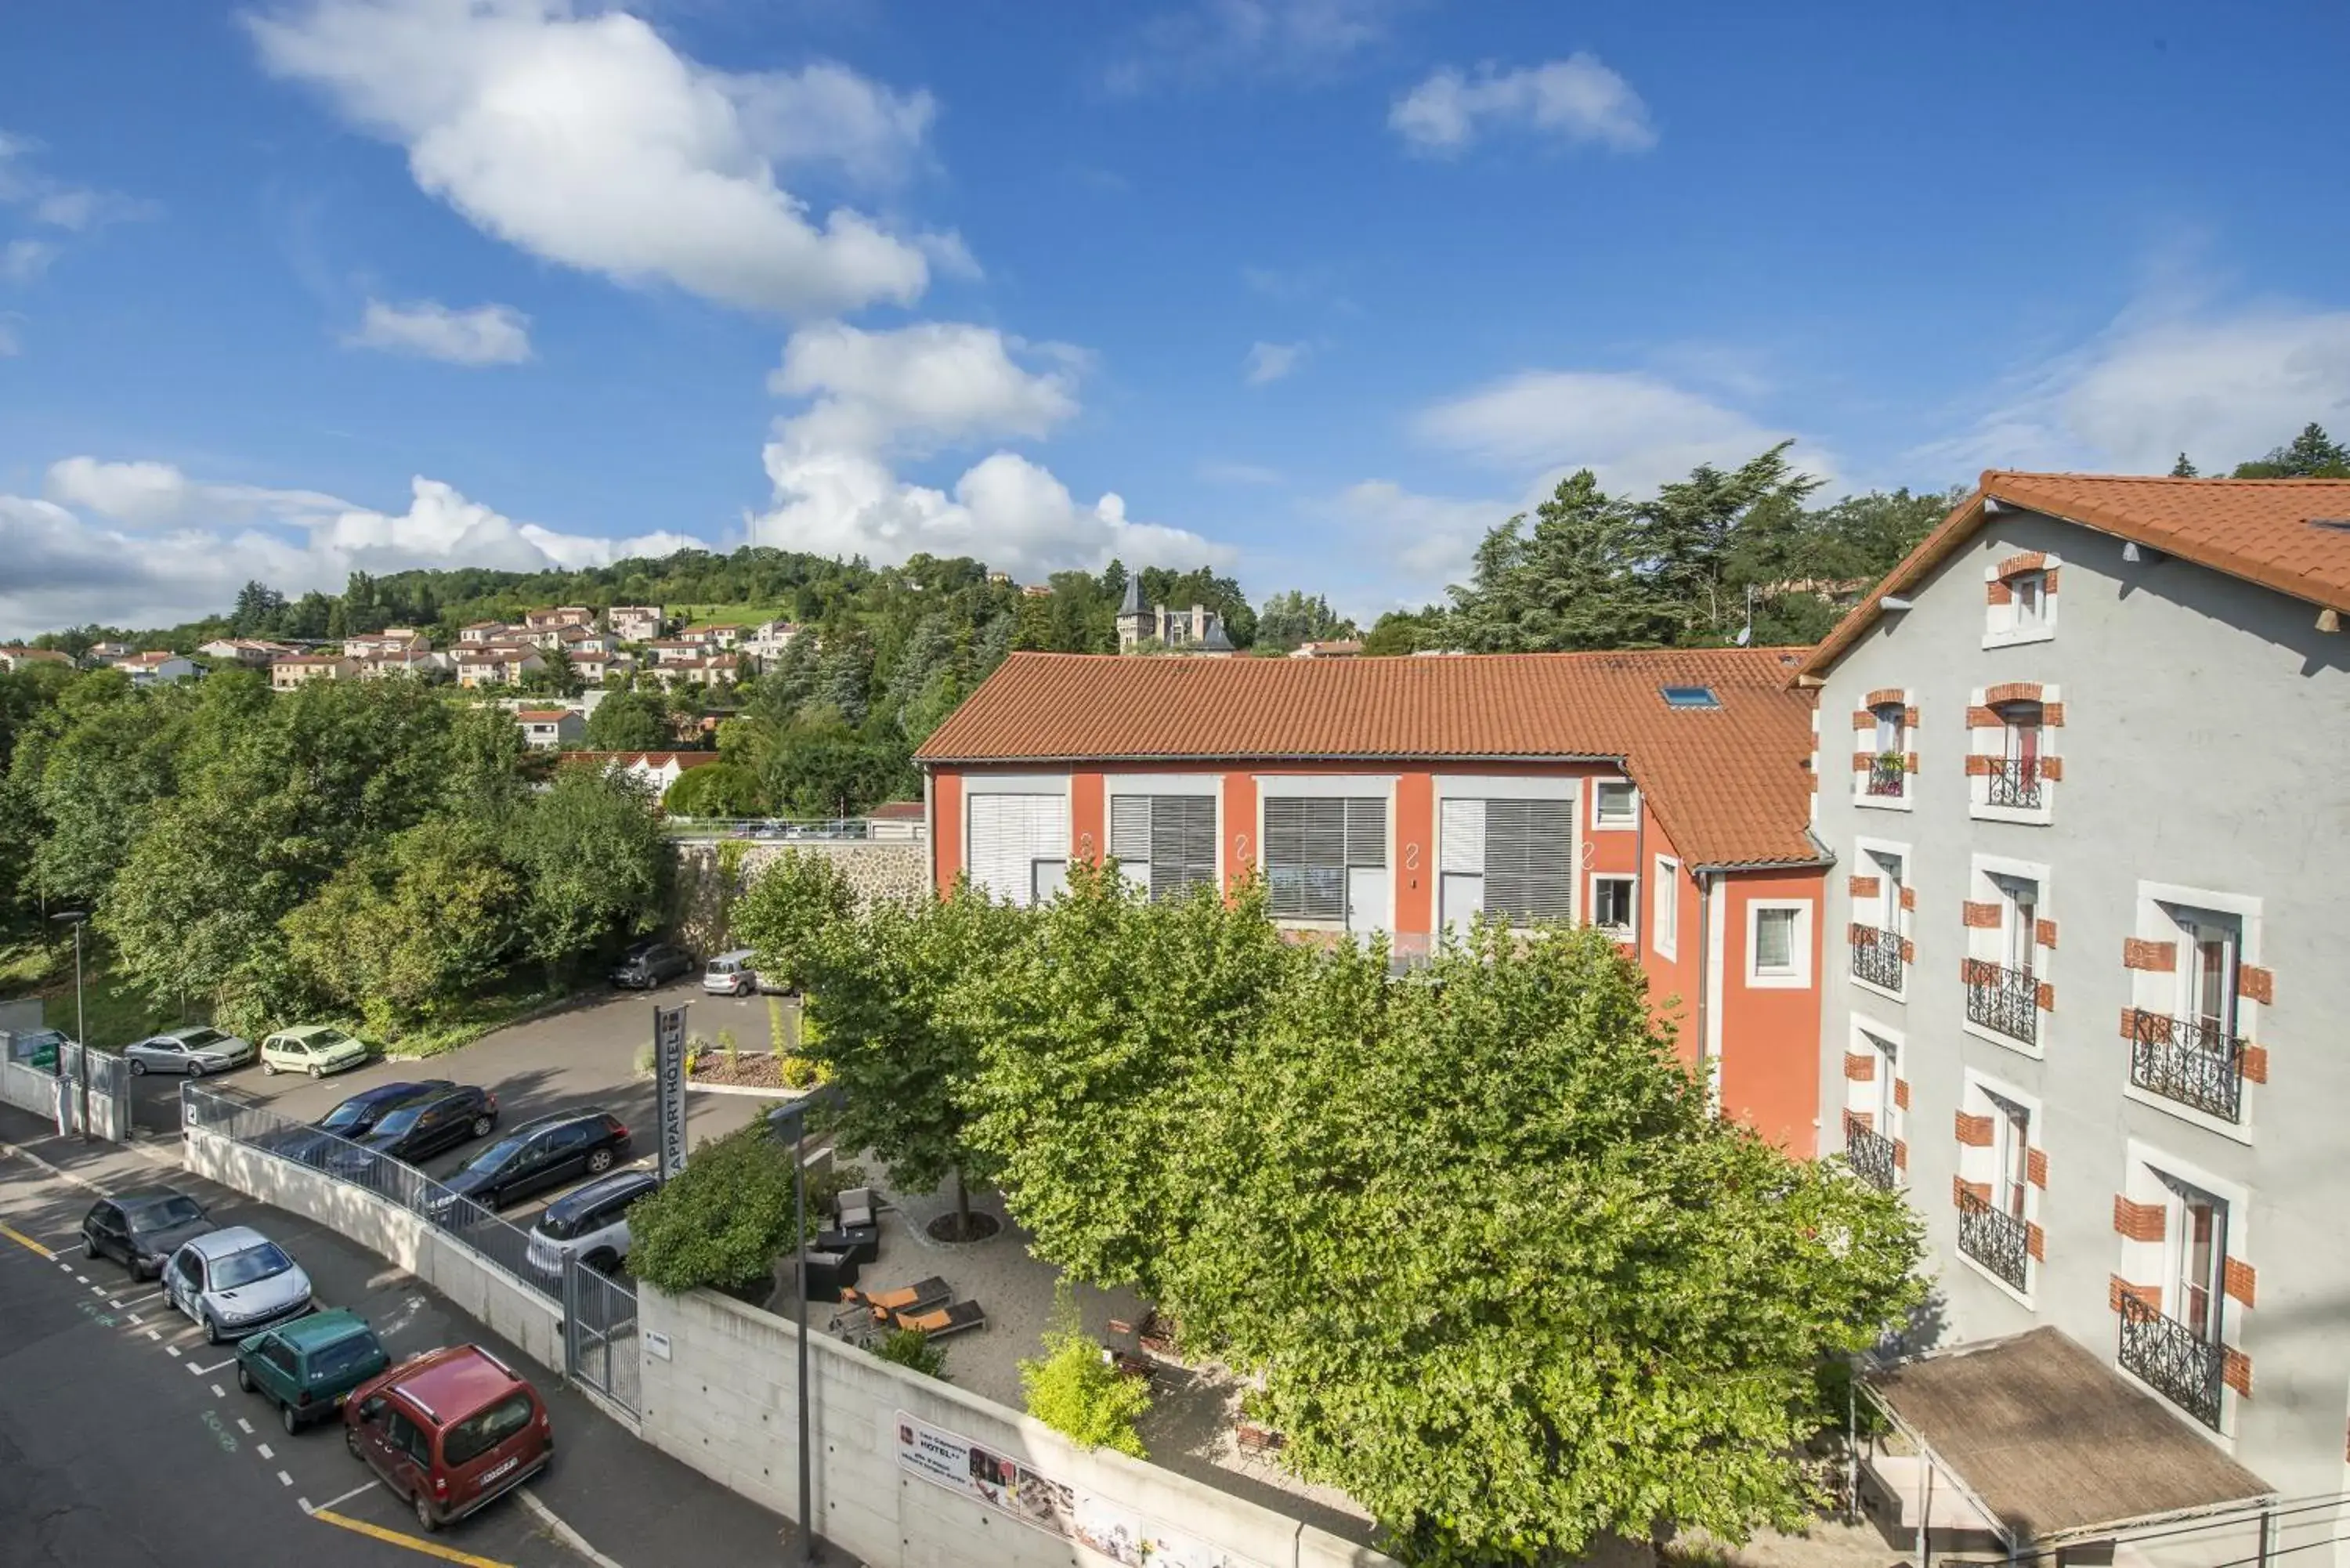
{"x":790,"y":1123}
{"x":77,"y":918}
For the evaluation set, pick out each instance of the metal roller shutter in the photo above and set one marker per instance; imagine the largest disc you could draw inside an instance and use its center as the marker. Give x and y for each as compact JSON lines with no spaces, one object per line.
{"x":1009,"y":834}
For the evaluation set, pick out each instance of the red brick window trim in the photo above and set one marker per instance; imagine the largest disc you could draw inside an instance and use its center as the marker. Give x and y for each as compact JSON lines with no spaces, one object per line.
{"x":2148,"y":1296}
{"x":1974,"y":1132}
{"x":2236,"y":1371}
{"x":2035,"y":1168}
{"x":2012,"y":691}
{"x":2155,"y":958}
{"x":2139,"y":1221}
{"x":2238,"y":1279}
{"x":1860,"y":1066}
{"x":1885,"y":697}
{"x":2254,"y":983}
{"x":1900,"y":1094}
{"x":2015,"y":565}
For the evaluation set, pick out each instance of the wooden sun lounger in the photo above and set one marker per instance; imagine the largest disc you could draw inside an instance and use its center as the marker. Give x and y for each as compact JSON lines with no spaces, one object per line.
{"x":943,"y":1321}
{"x":920,"y":1296}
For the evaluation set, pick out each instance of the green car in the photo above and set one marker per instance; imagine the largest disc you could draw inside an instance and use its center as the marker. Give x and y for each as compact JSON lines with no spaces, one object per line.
{"x":309,"y":1366}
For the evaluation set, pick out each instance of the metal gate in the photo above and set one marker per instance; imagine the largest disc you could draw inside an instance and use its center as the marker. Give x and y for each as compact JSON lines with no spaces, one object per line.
{"x":599,"y":1334}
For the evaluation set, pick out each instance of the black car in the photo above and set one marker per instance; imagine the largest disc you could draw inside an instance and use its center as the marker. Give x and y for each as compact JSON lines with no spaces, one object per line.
{"x":648,"y":964}
{"x":143,"y":1228}
{"x":424,"y":1125}
{"x":542,"y":1153}
{"x":354,"y":1118}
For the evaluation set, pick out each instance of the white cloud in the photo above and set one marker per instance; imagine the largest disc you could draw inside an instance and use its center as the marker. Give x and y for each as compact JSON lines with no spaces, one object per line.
{"x":877,"y":395}
{"x":1432,"y":538}
{"x":1578,"y":100}
{"x":1271,"y":361}
{"x":1635,"y":431}
{"x":917,"y":387}
{"x":64,"y":569}
{"x":2224,"y":389}
{"x":22,"y":260}
{"x":1216,"y":38}
{"x":485,"y":334}
{"x":585,"y":138}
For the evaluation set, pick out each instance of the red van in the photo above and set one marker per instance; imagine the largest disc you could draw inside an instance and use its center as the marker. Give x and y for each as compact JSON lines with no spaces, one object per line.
{"x":450,"y":1431}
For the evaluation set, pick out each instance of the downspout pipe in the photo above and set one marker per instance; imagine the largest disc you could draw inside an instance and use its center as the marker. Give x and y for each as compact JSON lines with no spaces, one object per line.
{"x":1704,"y":971}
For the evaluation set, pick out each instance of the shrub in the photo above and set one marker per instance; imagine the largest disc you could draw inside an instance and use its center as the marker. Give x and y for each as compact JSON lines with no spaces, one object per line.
{"x":726,"y":1047}
{"x":912,"y":1348}
{"x":722,"y":1220}
{"x":1075,"y":1390}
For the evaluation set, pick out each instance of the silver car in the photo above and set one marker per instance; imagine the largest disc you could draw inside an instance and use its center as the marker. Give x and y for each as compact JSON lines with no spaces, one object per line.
{"x":194,"y":1050}
{"x":235,"y":1282}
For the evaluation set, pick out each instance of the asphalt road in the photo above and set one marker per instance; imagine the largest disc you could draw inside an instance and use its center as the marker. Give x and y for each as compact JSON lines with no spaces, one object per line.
{"x":582,"y":1058}
{"x":124,"y":1442}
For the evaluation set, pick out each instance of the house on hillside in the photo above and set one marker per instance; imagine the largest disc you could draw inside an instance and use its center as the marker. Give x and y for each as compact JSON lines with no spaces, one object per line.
{"x":1662,"y":796}
{"x":594,"y":669}
{"x":300,"y":668}
{"x":550,"y":729}
{"x":697,"y":669}
{"x":654,"y":770}
{"x":674,"y":650}
{"x":256,"y":653}
{"x":392,"y":641}
{"x":501,"y":664}
{"x":15,"y":656}
{"x":539,"y":621}
{"x":634,"y":623}
{"x":1199,"y":630}
{"x":766,"y":642}
{"x":713,"y":634}
{"x":98,"y":655}
{"x":2085,"y":757}
{"x":159,"y":668}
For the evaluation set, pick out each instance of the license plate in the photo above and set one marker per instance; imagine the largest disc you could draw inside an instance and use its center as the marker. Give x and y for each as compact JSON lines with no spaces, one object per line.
{"x":491,"y":1475}
{"x":341,"y":1400}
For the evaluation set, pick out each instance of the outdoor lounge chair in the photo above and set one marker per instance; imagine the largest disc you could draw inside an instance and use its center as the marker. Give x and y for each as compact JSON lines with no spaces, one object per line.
{"x":943,"y":1321}
{"x":920,"y":1296}
{"x":855,"y":1209}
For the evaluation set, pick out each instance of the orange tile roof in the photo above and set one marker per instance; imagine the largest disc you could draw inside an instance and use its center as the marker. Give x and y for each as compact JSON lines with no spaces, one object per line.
{"x":1731,"y":785}
{"x":2289,"y":534}
{"x":542,"y":715}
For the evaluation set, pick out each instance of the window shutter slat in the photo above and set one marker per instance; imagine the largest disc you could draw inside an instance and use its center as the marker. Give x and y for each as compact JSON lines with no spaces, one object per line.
{"x":1129,"y":826}
{"x":1462,"y":824}
{"x":1530,"y":859}
{"x":1366,"y":833}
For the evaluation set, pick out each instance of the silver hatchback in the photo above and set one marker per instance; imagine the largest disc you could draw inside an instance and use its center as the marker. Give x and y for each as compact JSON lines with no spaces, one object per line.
{"x":194,"y":1051}
{"x":235,"y":1282}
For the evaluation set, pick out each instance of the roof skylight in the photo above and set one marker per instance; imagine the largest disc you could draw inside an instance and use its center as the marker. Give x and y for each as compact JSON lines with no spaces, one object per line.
{"x":1690,"y":697}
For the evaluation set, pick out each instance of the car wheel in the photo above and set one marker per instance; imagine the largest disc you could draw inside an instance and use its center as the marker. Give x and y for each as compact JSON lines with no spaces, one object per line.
{"x":243,"y":1377}
{"x":424,"y":1514}
{"x":351,"y":1442}
{"x":482,"y":1124}
{"x":288,"y":1419}
{"x":212,"y":1329}
{"x":599,"y":1162}
{"x":268,"y":1068}
{"x":137,"y":1068}
{"x":317,"y":1071}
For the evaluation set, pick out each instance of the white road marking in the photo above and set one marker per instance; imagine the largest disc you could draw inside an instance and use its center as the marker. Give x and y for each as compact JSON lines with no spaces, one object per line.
{"x":215,"y":1367}
{"x":153,"y":1335}
{"x":338,"y":1502}
{"x":171,"y":1350}
{"x":99,"y":1291}
{"x":263,"y":1449}
{"x":285,"y":1480}
{"x":219,"y":1392}
{"x":134,"y":1300}
{"x":562,"y":1533}
{"x":244,"y":1426}
{"x":81,"y":1278}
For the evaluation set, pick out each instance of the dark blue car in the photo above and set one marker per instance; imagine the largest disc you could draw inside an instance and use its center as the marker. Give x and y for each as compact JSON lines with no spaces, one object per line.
{"x":354,"y":1118}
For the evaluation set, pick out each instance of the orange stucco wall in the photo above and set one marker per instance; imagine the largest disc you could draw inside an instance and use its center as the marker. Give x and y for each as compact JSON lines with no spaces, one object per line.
{"x":946,"y":829}
{"x":1770,"y":1037}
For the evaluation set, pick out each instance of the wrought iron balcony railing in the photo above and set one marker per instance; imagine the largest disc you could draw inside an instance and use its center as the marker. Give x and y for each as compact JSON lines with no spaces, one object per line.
{"x":2006,"y":1001}
{"x":2190,"y":1061}
{"x":1995,"y":1239}
{"x":1876,"y":956}
{"x":2173,"y":1359}
{"x":1869,"y":1153}
{"x":2015,"y":781}
{"x":1888,"y":775}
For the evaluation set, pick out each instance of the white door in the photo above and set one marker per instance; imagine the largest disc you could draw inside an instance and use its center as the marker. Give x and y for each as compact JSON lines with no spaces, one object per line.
{"x":1050,"y":880}
{"x":1367,"y":899}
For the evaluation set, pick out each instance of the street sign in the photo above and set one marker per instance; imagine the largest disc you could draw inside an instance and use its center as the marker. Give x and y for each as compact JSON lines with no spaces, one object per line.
{"x":669,"y":1085}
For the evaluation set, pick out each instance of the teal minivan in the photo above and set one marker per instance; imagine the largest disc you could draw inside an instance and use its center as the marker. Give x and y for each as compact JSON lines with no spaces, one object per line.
{"x":309,"y":1366}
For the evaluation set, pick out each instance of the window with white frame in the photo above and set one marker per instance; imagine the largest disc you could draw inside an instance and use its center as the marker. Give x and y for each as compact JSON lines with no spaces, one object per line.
{"x":1613,"y":900}
{"x":1165,"y":843}
{"x":1019,"y":847}
{"x":2019,"y":921}
{"x":2011,"y":1143}
{"x":1507,"y":857}
{"x":2028,"y":599}
{"x":1778,"y":944}
{"x":1615,"y":804}
{"x":1665,"y":902}
{"x":2209,"y":945}
{"x":1312,"y":845}
{"x":2196,"y":1244}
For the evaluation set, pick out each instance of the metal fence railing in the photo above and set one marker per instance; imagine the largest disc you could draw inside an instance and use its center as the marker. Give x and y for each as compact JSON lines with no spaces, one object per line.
{"x":500,"y":1243}
{"x":796,"y":830}
{"x":599,"y":1334}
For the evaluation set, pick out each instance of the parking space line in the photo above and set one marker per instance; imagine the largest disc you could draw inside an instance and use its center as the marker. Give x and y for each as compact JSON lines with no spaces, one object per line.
{"x":244,"y":1426}
{"x":137,"y":1301}
{"x":219,"y":1392}
{"x":413,"y":1542}
{"x":263,"y":1449}
{"x":155,"y":1337}
{"x":27,"y":1243}
{"x":285,"y":1480}
{"x":171,"y":1350}
{"x":338,"y":1502}
{"x":81,"y":1278}
{"x":215,"y":1367}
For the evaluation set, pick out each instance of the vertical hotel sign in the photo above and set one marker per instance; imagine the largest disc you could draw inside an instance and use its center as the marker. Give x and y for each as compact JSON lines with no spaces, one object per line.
{"x":669,"y":1085}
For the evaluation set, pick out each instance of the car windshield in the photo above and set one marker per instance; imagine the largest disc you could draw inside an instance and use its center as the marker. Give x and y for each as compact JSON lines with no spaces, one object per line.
{"x":398,"y":1122}
{"x":166,"y":1214}
{"x":325,"y":1038}
{"x":353,"y":1353}
{"x":197,"y":1039}
{"x":496,"y":1154}
{"x":253,"y":1264}
{"x":349,"y":1114}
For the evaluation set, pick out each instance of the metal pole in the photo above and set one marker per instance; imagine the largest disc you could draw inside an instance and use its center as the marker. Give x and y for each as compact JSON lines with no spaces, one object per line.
{"x":799,"y":1290}
{"x":81,"y":1036}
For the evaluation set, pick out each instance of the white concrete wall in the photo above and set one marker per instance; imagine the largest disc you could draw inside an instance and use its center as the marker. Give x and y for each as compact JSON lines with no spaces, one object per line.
{"x":501,"y":1303}
{"x":723,"y":1400}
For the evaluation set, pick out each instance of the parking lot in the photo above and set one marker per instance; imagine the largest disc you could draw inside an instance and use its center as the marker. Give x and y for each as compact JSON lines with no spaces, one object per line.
{"x":583,"y":1057}
{"x":124,"y":1440}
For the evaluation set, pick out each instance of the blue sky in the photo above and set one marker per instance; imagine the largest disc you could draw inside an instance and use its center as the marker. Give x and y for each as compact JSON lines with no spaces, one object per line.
{"x":1316,"y":291}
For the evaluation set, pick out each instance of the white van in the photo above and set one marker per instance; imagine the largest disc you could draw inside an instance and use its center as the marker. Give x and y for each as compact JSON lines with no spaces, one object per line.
{"x":731,"y":974}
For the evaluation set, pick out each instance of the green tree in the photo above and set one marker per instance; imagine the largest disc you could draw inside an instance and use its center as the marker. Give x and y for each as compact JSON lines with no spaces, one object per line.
{"x":889,"y":1030}
{"x":1294,"y":618}
{"x":594,"y":863}
{"x":1405,"y":631}
{"x":792,"y":906}
{"x":1574,"y":580}
{"x":716,"y":789}
{"x":2311,"y":454}
{"x":1689,"y":535}
{"x":721,"y":1221}
{"x":2183,"y":469}
{"x":630,"y":722}
{"x":1073,"y":1389}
